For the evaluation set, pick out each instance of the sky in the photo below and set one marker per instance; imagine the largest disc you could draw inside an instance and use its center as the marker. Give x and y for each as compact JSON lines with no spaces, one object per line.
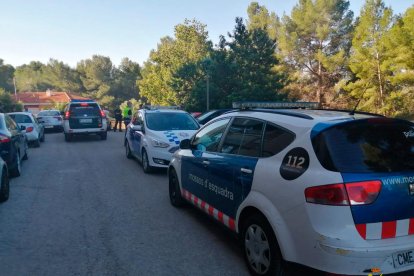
{"x":73,"y":30}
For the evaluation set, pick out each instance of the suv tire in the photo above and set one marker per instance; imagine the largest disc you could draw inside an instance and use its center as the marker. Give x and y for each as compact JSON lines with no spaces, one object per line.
{"x":68,"y":137}
{"x":104,"y":135}
{"x":174,"y":190}
{"x":260,"y":248}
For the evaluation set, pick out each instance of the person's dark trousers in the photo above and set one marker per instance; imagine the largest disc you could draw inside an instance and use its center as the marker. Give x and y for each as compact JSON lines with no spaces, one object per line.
{"x":116,"y":125}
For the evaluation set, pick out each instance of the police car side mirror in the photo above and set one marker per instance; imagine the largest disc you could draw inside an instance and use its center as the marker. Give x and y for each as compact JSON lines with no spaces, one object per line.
{"x":185,"y":144}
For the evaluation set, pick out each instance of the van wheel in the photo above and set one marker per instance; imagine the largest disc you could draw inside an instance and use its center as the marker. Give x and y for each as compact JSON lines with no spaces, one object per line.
{"x":260,"y":248}
{"x":174,"y":190}
{"x":145,"y":163}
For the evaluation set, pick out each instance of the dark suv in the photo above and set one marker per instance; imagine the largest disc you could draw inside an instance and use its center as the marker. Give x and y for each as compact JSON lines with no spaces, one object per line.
{"x":85,"y":117}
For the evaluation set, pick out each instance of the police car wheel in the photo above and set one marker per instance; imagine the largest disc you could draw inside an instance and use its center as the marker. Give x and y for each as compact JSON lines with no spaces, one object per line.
{"x":145,"y":162}
{"x":261,"y":251}
{"x":4,"y":186}
{"x":174,"y":190}
{"x":68,"y":137}
{"x":128,"y":150}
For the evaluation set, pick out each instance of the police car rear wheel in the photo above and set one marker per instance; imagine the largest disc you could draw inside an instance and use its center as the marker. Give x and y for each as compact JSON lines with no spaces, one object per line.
{"x":261,"y":252}
{"x":174,"y":190}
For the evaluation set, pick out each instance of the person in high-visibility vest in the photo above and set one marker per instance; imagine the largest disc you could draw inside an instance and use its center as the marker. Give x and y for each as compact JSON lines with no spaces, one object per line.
{"x":126,"y":114}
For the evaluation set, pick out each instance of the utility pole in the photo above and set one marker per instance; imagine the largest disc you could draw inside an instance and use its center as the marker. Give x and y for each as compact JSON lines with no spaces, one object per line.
{"x":208,"y":91}
{"x":15,"y":90}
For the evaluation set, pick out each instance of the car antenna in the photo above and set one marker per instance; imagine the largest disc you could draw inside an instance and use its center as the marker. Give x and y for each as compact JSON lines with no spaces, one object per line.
{"x":363,"y":93}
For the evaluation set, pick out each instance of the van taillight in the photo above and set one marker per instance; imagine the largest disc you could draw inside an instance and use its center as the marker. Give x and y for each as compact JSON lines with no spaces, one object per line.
{"x":364,"y":192}
{"x":355,"y":193}
{"x":4,"y":139}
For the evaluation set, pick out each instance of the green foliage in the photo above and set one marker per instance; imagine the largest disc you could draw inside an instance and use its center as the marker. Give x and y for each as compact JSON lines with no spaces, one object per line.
{"x":6,"y":76}
{"x":126,"y":77}
{"x":370,"y":59}
{"x":59,"y":76}
{"x":314,"y":43}
{"x":190,"y":45}
{"x":8,"y":103}
{"x":29,"y":77}
{"x":260,"y":18}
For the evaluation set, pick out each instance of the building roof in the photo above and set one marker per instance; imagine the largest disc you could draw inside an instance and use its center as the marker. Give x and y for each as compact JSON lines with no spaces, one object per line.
{"x":47,"y":97}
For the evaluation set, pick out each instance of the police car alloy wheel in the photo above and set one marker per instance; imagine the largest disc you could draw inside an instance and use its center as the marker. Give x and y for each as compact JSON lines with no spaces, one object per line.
{"x":4,"y":188}
{"x":174,"y":190}
{"x":261,"y":252}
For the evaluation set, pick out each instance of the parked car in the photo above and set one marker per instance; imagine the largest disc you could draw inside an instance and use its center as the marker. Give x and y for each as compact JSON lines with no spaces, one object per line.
{"x":154,"y":135}
{"x":209,"y":115}
{"x":13,"y":144}
{"x":84,"y":118}
{"x":331,"y":190}
{"x":4,"y":181}
{"x":35,"y":132}
{"x":51,"y":119}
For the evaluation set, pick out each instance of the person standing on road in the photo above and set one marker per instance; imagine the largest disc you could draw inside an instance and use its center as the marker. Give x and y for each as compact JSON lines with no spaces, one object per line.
{"x":127,"y":113}
{"x":118,"y":119}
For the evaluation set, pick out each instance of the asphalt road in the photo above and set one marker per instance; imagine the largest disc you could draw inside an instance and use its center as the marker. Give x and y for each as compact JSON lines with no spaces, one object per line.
{"x":82,"y":208}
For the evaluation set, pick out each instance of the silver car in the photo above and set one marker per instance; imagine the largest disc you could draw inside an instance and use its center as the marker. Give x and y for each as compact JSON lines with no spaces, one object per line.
{"x":51,"y":119}
{"x":34,"y":130}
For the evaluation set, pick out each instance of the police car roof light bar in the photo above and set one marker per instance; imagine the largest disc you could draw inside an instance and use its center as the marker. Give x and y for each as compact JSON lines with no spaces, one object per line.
{"x":153,"y":107}
{"x":82,"y":101}
{"x":247,"y":105}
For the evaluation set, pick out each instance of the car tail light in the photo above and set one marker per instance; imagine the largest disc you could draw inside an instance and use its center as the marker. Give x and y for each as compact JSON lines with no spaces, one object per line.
{"x":67,"y":115}
{"x":333,"y":194}
{"x":84,"y":104}
{"x":29,"y":129}
{"x":363,"y":192}
{"x":103,"y":115}
{"x":355,"y":193}
{"x":4,"y":139}
{"x":58,"y":117}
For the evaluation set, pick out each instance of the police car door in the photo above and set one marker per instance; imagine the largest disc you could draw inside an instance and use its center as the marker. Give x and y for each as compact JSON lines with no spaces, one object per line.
{"x":232,"y":168}
{"x":195,"y":164}
{"x":136,"y":135}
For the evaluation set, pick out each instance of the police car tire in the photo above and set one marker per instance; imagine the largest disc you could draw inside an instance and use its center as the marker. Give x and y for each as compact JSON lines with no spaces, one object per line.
{"x":276,"y":266}
{"x":68,"y":137}
{"x":104,"y":135}
{"x":4,"y":186}
{"x":174,"y":190}
{"x":145,"y":162}
{"x":128,"y":150}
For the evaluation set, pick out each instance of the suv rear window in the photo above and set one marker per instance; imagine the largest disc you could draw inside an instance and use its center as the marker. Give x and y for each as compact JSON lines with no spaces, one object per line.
{"x":49,"y":113}
{"x":368,"y":145}
{"x":82,"y":109}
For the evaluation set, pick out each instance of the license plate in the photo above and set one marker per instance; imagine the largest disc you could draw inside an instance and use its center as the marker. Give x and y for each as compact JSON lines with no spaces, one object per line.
{"x":48,"y":126}
{"x":403,"y":258}
{"x":85,"y":120}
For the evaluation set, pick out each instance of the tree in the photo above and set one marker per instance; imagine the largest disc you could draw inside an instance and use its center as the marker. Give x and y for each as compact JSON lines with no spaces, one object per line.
{"x":369,"y":57}
{"x":96,"y":75}
{"x":259,"y":18}
{"x":7,"y":103}
{"x":29,"y":77}
{"x":6,"y":76}
{"x":190,"y":45}
{"x":314,"y":44}
{"x":59,"y":76}
{"x":126,"y":76}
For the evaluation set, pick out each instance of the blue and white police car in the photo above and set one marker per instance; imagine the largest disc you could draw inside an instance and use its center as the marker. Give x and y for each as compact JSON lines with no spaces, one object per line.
{"x":331,"y":190}
{"x":154,"y":134}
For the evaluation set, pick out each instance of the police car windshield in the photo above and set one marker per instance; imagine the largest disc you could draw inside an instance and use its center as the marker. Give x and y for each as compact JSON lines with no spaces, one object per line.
{"x":170,"y":121}
{"x":369,"y":145}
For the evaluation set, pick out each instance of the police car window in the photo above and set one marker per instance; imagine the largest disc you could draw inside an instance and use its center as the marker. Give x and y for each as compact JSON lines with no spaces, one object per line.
{"x":85,"y":109}
{"x":209,"y":137}
{"x":162,"y":121}
{"x":244,"y":137}
{"x":370,"y":145}
{"x":275,"y":140}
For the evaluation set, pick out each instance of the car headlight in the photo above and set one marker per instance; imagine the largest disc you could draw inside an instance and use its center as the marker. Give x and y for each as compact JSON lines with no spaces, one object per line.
{"x":159,"y":144}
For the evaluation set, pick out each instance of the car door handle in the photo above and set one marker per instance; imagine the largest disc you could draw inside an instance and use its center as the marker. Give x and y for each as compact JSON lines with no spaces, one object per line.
{"x":244,"y":170}
{"x":206,"y":162}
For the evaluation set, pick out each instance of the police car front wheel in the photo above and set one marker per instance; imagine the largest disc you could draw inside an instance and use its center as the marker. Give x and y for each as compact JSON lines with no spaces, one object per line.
{"x":261,"y":251}
{"x":145,"y":163}
{"x":174,"y":190}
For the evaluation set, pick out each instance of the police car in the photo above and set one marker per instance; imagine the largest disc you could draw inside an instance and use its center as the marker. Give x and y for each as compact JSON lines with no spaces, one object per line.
{"x":154,"y":134}
{"x":331,"y":190}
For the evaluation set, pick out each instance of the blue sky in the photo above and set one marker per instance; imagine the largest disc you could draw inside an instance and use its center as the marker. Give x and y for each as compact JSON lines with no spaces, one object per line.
{"x":72,"y":30}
